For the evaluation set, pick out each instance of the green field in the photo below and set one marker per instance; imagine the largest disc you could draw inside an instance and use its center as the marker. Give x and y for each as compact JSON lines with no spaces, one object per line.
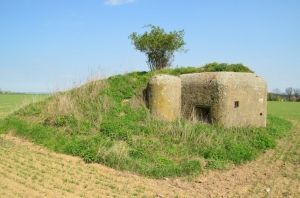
{"x":290,"y":110}
{"x":12,"y":102}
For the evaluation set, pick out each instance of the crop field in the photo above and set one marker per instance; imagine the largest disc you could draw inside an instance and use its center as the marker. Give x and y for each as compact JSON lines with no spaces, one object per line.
{"x":29,"y":170}
{"x":12,"y":102}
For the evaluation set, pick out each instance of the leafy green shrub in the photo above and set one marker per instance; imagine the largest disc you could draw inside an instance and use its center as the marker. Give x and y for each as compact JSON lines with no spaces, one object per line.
{"x":219,"y":67}
{"x":158,"y":46}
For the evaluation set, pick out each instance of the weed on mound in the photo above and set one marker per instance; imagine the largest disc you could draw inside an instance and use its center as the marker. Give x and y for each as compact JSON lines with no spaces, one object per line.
{"x":107,"y":122}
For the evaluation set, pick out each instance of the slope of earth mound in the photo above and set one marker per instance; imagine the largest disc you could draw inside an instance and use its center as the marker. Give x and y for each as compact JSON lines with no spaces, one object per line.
{"x":106,"y":122}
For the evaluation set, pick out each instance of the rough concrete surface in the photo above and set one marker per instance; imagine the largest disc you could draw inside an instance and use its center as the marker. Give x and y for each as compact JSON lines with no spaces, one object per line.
{"x":164,"y":97}
{"x":231,"y":99}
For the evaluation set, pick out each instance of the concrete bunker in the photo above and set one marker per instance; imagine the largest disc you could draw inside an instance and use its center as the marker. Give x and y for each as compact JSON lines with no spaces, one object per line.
{"x":164,"y":97}
{"x":231,"y":99}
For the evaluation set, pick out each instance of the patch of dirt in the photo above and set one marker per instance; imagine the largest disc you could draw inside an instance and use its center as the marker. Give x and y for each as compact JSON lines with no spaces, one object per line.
{"x":28,"y":170}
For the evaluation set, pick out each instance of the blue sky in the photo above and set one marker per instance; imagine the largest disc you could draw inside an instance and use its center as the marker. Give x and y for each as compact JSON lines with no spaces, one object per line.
{"x":47,"y":45}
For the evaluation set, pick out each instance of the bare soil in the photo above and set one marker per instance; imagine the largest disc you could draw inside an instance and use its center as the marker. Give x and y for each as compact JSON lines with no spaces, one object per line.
{"x":28,"y":170}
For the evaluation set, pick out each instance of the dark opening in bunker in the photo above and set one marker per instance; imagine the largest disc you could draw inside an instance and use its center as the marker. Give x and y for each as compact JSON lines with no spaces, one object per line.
{"x":203,"y":114}
{"x":236,"y":104}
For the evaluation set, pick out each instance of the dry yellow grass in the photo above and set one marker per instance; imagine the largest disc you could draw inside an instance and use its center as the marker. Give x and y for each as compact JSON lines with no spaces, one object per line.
{"x":66,"y":103}
{"x":27,"y":170}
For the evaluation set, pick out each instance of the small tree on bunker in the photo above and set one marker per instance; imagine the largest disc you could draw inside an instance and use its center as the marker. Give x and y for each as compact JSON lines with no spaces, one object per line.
{"x":158,"y":45}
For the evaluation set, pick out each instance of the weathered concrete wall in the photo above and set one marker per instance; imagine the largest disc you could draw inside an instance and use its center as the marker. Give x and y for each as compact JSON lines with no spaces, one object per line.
{"x":164,"y":97}
{"x":199,"y":89}
{"x":230,"y":99}
{"x":220,"y":91}
{"x":250,"y":91}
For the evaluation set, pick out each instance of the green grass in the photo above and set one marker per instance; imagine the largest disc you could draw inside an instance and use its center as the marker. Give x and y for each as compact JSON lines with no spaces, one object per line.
{"x":289,"y":110}
{"x":106,"y":122}
{"x":12,"y":102}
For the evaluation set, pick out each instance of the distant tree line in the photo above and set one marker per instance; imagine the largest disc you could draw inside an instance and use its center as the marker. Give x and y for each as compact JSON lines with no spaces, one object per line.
{"x":4,"y":92}
{"x":290,"y":94}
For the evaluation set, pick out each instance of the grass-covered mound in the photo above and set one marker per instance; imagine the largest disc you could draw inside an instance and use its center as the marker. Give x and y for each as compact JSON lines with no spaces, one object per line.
{"x":107,"y":122}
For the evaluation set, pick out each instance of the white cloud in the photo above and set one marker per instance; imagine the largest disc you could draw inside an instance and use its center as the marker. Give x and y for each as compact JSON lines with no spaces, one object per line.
{"x":118,"y":2}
